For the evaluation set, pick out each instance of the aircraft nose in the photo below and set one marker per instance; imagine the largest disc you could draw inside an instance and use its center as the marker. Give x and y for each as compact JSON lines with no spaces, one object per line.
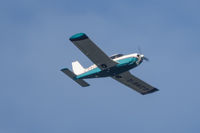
{"x":140,"y":55}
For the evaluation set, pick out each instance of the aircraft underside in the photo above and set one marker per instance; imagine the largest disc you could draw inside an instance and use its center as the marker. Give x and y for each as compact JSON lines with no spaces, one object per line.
{"x":113,"y":71}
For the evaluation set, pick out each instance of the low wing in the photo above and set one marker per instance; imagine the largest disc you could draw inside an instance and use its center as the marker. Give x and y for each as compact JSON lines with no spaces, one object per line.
{"x":135,"y":83}
{"x":92,"y":51}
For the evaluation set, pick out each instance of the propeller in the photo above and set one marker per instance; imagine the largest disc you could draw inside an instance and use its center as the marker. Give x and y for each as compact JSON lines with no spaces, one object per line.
{"x":140,"y":52}
{"x":145,"y":58}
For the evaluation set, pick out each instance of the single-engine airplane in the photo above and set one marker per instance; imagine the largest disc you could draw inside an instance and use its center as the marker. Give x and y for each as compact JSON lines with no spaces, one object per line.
{"x":117,"y":66}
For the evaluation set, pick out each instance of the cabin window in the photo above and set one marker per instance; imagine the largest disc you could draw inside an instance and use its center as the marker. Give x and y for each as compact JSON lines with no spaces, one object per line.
{"x":116,"y":56}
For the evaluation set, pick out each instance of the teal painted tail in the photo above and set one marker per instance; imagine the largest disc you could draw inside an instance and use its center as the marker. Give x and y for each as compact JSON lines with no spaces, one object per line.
{"x":69,"y":73}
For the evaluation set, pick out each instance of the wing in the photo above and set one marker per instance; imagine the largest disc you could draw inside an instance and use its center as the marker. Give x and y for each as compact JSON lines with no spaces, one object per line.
{"x":135,"y":83}
{"x":92,"y":51}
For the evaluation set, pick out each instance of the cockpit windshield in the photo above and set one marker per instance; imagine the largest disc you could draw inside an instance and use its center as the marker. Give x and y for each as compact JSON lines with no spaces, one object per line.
{"x":116,"y":56}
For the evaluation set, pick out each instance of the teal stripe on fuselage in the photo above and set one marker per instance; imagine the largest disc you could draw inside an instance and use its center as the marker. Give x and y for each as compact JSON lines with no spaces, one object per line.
{"x":121,"y":63}
{"x":93,"y":71}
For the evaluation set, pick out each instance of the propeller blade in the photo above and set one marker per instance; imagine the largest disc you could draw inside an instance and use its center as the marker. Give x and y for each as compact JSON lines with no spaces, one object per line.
{"x":145,"y":58}
{"x":139,"y":49}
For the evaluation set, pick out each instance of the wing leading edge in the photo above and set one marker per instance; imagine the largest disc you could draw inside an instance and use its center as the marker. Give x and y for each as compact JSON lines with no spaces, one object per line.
{"x":92,"y":51}
{"x":135,"y":83}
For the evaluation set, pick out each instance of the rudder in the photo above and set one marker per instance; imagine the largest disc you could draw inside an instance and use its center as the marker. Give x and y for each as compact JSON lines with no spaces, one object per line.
{"x":77,"y":68}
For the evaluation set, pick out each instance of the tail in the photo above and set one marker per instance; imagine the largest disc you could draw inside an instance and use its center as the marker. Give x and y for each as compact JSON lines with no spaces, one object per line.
{"x":77,"y":68}
{"x":69,"y":73}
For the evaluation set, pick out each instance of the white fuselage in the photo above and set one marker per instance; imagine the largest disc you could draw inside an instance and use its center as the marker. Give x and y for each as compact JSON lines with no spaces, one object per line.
{"x":116,"y":59}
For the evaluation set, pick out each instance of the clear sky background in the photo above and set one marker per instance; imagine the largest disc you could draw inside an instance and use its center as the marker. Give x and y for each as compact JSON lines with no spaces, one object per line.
{"x":35,"y":97}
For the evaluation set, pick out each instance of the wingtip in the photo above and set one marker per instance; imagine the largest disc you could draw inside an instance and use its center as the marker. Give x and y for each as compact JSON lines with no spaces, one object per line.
{"x":78,"y":37}
{"x":63,"y":69}
{"x":151,"y":91}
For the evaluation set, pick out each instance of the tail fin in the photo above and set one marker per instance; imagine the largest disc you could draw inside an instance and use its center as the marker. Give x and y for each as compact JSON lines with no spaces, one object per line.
{"x":77,"y":68}
{"x":81,"y":82}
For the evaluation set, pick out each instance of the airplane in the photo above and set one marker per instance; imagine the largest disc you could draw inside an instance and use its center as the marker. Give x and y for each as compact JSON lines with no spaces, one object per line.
{"x":116,"y":66}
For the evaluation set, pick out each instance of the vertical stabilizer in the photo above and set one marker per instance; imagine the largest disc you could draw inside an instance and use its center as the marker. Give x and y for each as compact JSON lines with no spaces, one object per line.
{"x":77,"y":68}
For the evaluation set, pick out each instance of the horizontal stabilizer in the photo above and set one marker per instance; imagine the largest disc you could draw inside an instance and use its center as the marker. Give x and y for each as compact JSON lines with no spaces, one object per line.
{"x":69,"y":73}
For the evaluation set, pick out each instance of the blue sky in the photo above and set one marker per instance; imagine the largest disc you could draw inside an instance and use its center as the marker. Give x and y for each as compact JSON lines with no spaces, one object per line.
{"x":35,"y":97}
